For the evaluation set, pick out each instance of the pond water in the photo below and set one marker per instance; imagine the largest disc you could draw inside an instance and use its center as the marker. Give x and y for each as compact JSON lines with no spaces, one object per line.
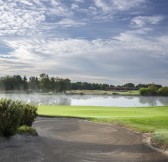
{"x":88,"y":100}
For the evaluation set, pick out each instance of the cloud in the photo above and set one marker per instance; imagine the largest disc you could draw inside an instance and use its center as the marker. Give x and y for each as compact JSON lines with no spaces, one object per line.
{"x":17,"y":20}
{"x":124,"y":5}
{"x":111,"y":8}
{"x":104,"y":6}
{"x":121,"y":5}
{"x":67,"y":22}
{"x":124,"y":57}
{"x":24,"y":17}
{"x":133,"y":41}
{"x":92,"y":40}
{"x":79,"y":1}
{"x":141,"y":21}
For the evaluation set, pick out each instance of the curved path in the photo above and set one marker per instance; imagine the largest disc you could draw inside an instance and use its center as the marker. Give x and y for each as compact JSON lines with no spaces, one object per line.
{"x":74,"y":140}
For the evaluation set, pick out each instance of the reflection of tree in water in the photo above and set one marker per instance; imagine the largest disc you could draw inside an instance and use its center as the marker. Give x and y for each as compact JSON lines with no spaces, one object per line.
{"x":64,"y":101}
{"x":54,"y":100}
{"x":38,"y":99}
{"x":129,"y":97}
{"x":163,"y":100}
{"x":46,"y":99}
{"x":85,"y":97}
{"x":151,"y":101}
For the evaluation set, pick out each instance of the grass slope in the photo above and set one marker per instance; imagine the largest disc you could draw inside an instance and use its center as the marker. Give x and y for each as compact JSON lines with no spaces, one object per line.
{"x":142,"y":119}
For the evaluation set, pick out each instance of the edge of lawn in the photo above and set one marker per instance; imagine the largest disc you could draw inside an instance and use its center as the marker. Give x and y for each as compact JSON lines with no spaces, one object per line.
{"x":156,"y":140}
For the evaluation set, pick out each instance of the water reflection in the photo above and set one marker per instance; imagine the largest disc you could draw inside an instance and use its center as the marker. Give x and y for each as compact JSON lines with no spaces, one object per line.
{"x":154,"y":101}
{"x":88,"y":100}
{"x":151,"y":101}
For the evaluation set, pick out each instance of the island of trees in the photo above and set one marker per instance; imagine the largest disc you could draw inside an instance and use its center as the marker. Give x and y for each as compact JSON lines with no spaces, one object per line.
{"x":44,"y":83}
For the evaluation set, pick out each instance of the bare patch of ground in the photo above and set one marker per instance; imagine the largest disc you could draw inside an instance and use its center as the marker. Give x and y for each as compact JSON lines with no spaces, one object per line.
{"x":75,"y":140}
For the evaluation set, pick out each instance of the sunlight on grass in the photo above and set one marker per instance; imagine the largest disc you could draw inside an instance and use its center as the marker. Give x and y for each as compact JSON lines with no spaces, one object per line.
{"x":142,"y":119}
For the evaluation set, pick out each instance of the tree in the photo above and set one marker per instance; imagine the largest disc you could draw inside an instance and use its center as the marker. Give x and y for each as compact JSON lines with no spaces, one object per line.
{"x":150,"y":91}
{"x":129,"y":85}
{"x":153,"y":89}
{"x":144,"y":91}
{"x":163,"y":91}
{"x":25,"y":83}
{"x":104,"y":86}
{"x":63,"y":84}
{"x":45,"y":82}
{"x":14,"y":82}
{"x":33,"y":83}
{"x":141,"y":86}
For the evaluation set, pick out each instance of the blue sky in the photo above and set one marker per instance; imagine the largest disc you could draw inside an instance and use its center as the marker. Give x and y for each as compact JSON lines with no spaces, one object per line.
{"x":110,"y":41}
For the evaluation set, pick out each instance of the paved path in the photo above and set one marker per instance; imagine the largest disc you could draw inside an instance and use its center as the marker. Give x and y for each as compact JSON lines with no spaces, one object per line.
{"x":74,"y":140}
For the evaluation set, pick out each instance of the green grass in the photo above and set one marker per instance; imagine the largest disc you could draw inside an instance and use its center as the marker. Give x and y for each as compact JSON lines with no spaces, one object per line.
{"x":26,"y":130}
{"x":142,"y":119}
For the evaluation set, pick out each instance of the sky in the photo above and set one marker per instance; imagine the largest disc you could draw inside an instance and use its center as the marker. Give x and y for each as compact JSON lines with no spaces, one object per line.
{"x":107,"y":41}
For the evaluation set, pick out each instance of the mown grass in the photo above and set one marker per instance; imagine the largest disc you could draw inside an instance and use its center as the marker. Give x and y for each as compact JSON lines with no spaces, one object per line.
{"x":142,"y":119}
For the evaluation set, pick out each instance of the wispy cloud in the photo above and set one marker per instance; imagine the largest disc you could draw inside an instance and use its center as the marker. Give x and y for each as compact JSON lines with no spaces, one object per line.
{"x":92,"y":40}
{"x":125,"y":5}
{"x":122,"y":5}
{"x":104,"y":6}
{"x":16,"y":17}
{"x":67,"y":22}
{"x":106,"y":59}
{"x":24,"y":17}
{"x":141,"y":21}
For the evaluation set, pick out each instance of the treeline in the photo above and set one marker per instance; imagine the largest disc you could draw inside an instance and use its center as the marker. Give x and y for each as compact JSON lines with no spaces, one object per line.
{"x":153,"y":90}
{"x":44,"y":83}
{"x":96,"y":86}
{"x":34,"y":84}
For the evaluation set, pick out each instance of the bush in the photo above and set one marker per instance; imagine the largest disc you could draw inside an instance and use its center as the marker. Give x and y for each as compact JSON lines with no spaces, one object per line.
{"x":150,"y":91}
{"x":160,"y":140}
{"x":10,"y":116}
{"x":114,"y":93}
{"x":163,"y":91}
{"x":14,"y":114}
{"x":144,"y":91}
{"x":29,"y":114}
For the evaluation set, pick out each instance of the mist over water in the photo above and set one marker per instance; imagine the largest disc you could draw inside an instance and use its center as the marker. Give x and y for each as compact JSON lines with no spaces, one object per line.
{"x":88,"y":100}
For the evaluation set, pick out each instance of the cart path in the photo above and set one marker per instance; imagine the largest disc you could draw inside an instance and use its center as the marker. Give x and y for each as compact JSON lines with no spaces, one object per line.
{"x":75,"y":140}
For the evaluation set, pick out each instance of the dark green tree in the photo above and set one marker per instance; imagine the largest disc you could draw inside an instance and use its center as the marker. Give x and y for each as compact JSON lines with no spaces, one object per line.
{"x":163,"y":91}
{"x":33,"y":83}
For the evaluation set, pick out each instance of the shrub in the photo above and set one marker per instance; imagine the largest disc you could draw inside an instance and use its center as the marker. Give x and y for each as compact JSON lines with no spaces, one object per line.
{"x":10,"y":116}
{"x":14,"y":114}
{"x":144,"y":91}
{"x":29,"y":114}
{"x":163,"y":91}
{"x":114,"y":93}
{"x":150,"y":91}
{"x":160,"y":140}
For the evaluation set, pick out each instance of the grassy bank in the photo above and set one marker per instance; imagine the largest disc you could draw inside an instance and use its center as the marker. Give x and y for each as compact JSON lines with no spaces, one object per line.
{"x":100,"y":92}
{"x":143,"y":119}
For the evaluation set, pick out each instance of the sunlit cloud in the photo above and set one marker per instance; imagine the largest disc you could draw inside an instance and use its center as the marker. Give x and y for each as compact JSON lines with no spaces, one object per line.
{"x":101,"y":58}
{"x":96,"y":40}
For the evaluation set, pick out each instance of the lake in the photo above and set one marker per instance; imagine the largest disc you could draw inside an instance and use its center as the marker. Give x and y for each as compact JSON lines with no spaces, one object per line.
{"x":89,"y":100}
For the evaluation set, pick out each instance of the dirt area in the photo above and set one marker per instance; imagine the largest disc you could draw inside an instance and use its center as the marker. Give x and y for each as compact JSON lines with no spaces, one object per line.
{"x":75,"y":140}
